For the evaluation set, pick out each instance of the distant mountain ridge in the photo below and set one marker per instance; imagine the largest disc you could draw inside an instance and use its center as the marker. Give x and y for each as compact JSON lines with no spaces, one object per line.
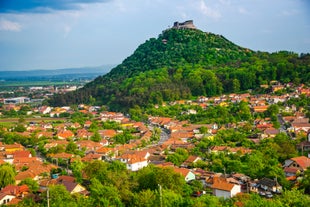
{"x":99,"y":70}
{"x":183,"y":63}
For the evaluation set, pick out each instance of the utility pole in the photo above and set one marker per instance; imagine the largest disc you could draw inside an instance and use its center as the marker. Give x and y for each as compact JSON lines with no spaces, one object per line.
{"x":160,"y":195}
{"x":48,"y":194}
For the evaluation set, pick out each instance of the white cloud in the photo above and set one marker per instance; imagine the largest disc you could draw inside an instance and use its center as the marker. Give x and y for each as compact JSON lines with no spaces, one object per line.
{"x":242,"y":10}
{"x":6,"y":25}
{"x":208,"y":11}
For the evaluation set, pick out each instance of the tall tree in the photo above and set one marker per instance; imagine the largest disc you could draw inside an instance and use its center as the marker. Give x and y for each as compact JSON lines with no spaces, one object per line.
{"x":7,"y":175}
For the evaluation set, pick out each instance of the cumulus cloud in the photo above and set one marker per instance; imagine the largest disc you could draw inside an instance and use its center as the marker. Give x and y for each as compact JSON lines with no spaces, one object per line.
{"x":208,"y":11}
{"x":6,"y":25}
{"x":42,"y":6}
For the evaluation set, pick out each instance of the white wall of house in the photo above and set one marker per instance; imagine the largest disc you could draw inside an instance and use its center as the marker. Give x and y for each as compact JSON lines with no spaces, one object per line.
{"x":227,"y":194}
{"x":235,"y":190}
{"x":221,"y":193}
{"x":5,"y":199}
{"x":137,"y":166}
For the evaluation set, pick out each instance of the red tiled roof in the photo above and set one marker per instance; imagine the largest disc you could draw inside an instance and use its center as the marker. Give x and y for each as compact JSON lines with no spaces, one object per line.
{"x":61,"y":155}
{"x":23,"y":153}
{"x":222,"y":184}
{"x":302,"y":161}
{"x":183,"y":171}
{"x":65,"y":134}
{"x":108,"y":133}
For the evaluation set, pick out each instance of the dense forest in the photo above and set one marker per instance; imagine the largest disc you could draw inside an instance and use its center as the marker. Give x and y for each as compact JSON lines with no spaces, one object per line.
{"x":182,"y":64}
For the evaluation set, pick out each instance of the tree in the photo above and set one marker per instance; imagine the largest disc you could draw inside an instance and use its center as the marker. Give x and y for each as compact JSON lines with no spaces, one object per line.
{"x":146,"y":198}
{"x":178,"y":157}
{"x":20,"y":128}
{"x":77,"y":167}
{"x":96,"y":137}
{"x":286,"y":148}
{"x":295,"y":198}
{"x":171,"y":198}
{"x":7,"y":175}
{"x":97,"y":169}
{"x":58,"y":197}
{"x":32,"y":184}
{"x":104,"y":195}
{"x":305,"y":182}
{"x":71,"y":147}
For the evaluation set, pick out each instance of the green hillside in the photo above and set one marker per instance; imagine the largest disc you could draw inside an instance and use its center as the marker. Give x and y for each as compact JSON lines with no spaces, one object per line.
{"x":182,"y":63}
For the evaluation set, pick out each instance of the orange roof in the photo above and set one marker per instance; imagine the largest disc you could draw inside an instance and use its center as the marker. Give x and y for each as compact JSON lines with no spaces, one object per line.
{"x":222,"y":184}
{"x":25,"y":160}
{"x":13,"y":146}
{"x":61,"y":155}
{"x":182,"y":171}
{"x":91,"y":157}
{"x":23,"y":153}
{"x":24,"y":175}
{"x":65,"y":134}
{"x":260,"y":108}
{"x":103,"y":150}
{"x":108,"y":133}
{"x":302,"y":161}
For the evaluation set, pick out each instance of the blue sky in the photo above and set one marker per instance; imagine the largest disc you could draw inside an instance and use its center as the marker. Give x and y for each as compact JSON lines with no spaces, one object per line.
{"x":53,"y":34}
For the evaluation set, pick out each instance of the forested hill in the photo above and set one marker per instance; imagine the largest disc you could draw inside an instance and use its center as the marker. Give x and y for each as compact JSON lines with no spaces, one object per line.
{"x":182,"y":63}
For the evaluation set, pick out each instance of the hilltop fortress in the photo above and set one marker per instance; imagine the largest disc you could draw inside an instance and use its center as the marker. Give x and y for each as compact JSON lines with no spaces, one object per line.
{"x":189,"y":24}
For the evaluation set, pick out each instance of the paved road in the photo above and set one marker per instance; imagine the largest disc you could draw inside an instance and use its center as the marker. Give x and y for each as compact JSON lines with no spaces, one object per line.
{"x":164,"y":136}
{"x":282,"y":125}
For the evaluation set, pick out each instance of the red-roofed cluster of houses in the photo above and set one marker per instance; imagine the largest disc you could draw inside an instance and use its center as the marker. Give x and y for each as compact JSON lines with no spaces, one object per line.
{"x":136,"y":154}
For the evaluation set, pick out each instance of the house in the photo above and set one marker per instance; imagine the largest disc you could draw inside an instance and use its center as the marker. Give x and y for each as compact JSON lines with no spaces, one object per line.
{"x":270,"y":132}
{"x":269,"y":185}
{"x":296,"y":165}
{"x":305,"y":127}
{"x":260,"y":109}
{"x":13,"y":147}
{"x":65,"y":134}
{"x":305,"y":145}
{"x":83,"y":134}
{"x":135,"y":164}
{"x":70,"y":184}
{"x":5,"y":198}
{"x":20,"y":154}
{"x":190,"y":161}
{"x":88,"y":145}
{"x":90,"y":157}
{"x":45,"y":134}
{"x":135,"y":160}
{"x":18,"y":191}
{"x":87,"y":124}
{"x":186,"y":173}
{"x":73,"y":187}
{"x":107,"y":133}
{"x":222,"y":188}
{"x":45,"y":109}
{"x":55,"y":143}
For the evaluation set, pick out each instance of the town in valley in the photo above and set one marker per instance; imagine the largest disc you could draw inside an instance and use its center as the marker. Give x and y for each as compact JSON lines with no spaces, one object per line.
{"x":263,"y":153}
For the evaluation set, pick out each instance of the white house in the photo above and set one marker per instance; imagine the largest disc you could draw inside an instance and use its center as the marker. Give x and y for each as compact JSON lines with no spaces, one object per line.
{"x":136,"y":160}
{"x":136,"y":164}
{"x":222,"y":188}
{"x":5,"y":198}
